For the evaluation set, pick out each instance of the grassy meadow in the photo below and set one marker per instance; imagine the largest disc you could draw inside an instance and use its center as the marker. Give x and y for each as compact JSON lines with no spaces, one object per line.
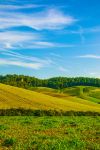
{"x":50,"y":133}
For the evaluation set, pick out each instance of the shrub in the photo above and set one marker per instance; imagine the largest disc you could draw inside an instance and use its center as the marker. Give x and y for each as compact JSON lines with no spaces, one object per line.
{"x":8,"y":142}
{"x":39,"y":113}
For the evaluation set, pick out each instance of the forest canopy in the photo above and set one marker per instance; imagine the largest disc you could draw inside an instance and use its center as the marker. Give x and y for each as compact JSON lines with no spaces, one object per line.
{"x":28,"y":82}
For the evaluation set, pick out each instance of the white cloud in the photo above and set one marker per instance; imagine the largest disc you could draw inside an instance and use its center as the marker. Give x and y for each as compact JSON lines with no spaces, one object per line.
{"x":44,"y":44}
{"x":14,"y":39}
{"x":83,"y":30}
{"x":17,"y":59}
{"x":50,"y":19}
{"x":44,"y":61}
{"x":27,"y":40}
{"x":14,"y":36}
{"x":8,"y":46}
{"x":17,"y":7}
{"x":91,"y":56}
{"x":20,"y":64}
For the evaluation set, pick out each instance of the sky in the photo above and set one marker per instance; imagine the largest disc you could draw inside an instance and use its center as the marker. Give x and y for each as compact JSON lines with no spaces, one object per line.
{"x":48,"y":38}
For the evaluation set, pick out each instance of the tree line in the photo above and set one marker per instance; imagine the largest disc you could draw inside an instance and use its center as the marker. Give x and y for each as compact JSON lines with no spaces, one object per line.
{"x":40,"y":113}
{"x":28,"y":82}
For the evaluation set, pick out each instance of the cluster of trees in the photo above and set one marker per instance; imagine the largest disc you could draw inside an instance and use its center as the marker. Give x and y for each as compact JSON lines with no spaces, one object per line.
{"x":56,"y":82}
{"x":21,"y":81}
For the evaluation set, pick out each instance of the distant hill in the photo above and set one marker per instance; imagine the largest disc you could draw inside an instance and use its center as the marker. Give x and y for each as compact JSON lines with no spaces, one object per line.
{"x":14,"y":97}
{"x":55,"y":83}
{"x":89,"y":93}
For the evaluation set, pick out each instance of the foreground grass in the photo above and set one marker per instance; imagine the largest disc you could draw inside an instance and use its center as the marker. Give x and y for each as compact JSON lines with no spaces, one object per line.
{"x":50,"y":133}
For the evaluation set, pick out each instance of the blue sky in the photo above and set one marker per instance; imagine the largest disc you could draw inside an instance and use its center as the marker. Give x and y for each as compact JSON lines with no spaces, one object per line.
{"x":50,"y":38}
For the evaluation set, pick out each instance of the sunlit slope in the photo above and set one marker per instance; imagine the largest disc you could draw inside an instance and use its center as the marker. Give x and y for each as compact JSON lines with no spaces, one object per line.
{"x":74,"y":93}
{"x":85,"y":92}
{"x":13,"y":97}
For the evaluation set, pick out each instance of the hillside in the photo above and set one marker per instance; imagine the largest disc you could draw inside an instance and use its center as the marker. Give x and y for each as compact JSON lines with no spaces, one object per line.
{"x":84,"y":92}
{"x":13,"y":97}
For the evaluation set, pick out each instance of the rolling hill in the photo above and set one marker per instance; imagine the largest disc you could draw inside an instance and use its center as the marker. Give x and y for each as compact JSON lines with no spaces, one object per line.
{"x":14,"y":97}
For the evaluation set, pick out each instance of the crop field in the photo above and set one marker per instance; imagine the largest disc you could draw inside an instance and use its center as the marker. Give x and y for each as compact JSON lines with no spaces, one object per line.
{"x":49,"y":133}
{"x":13,"y":97}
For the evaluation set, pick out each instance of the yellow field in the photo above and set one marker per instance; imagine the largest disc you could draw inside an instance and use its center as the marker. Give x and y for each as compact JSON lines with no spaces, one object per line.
{"x":13,"y":97}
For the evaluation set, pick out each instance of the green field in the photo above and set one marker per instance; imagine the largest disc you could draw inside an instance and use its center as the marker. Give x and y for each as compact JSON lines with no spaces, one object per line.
{"x":84,"y":92}
{"x":50,"y":133}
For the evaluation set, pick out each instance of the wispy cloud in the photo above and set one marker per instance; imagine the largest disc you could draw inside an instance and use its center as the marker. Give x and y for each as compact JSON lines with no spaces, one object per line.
{"x":17,"y":59}
{"x":91,"y":56}
{"x":27,"y":40}
{"x":81,"y":33}
{"x":83,"y":30}
{"x":55,"y":55}
{"x":14,"y":39}
{"x":62,"y":69}
{"x":50,"y":19}
{"x":20,"y":64}
{"x":19,"y":56}
{"x":17,"y":36}
{"x":95,"y":29}
{"x":17,"y":7}
{"x":44,"y":44}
